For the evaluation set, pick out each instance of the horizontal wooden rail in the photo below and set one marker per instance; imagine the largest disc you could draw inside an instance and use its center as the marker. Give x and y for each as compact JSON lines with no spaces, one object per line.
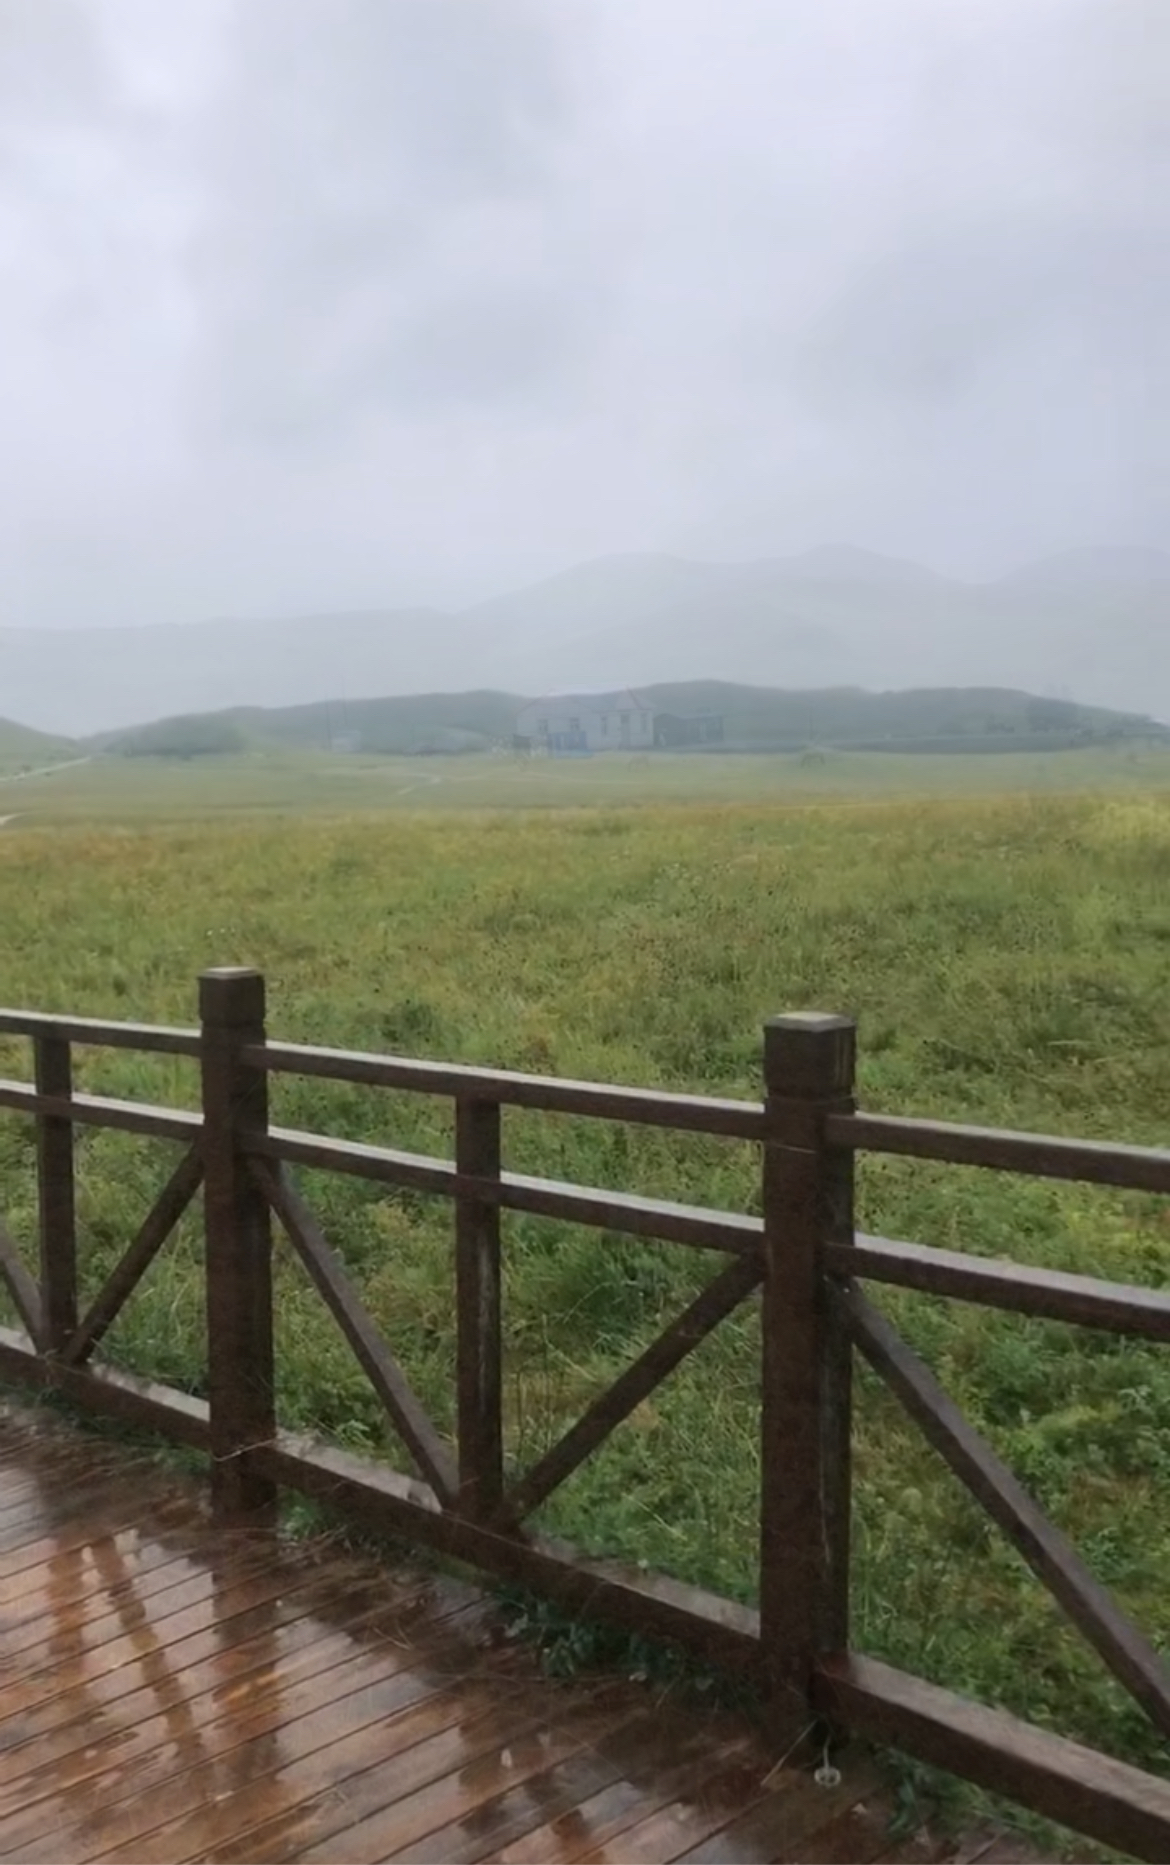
{"x":720,"y":1631}
{"x":97,"y":1110}
{"x":802,"y":1261}
{"x":684,"y":1113}
{"x":1104,"y":1799}
{"x":1047,"y":1294}
{"x":173,"y":1415}
{"x":700,"y":1229}
{"x":99,"y":1034}
{"x":1036,"y":1155}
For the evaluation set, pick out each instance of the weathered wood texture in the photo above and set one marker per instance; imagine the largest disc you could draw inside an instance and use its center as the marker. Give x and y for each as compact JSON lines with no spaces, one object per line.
{"x":1093,"y":1794}
{"x":237,"y":1222}
{"x":53,"y":1064}
{"x":383,"y":1371}
{"x":803,"y":1255}
{"x":478,"y":1321}
{"x":1127,"y":1653}
{"x":805,"y":1403}
{"x":175,"y":1693}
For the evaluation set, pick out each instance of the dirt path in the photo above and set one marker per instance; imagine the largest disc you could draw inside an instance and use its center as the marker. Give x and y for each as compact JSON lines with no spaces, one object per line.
{"x":45,"y":770}
{"x":423,"y":783}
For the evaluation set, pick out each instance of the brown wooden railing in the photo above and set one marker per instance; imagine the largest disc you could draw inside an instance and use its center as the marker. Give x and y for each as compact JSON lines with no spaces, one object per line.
{"x":803,"y":1257}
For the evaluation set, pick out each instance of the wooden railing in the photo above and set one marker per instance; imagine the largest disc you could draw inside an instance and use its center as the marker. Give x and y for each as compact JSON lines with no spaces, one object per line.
{"x":803,"y":1257}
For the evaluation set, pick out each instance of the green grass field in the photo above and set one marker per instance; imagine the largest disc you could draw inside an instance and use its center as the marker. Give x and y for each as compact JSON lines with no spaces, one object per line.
{"x":1008,"y":960}
{"x":134,"y":789}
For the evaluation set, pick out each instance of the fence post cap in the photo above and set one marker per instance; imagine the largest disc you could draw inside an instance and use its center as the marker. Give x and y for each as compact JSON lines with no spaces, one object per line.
{"x":809,"y":1052}
{"x":815,"y":1021}
{"x":231,"y":994}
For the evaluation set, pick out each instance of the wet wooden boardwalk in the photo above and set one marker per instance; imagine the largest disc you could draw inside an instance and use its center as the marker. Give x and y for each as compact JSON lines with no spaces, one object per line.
{"x":170,"y":1694}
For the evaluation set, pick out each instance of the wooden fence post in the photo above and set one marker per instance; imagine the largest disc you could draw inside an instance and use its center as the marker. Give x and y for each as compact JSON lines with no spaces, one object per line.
{"x":477,"y":1297}
{"x":809,"y":1064}
{"x":57,"y":1224}
{"x":238,"y":1247}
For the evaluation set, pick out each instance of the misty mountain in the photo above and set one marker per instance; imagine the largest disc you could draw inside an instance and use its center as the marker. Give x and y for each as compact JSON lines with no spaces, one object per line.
{"x":1091,"y":566}
{"x":1093,"y":626}
{"x":751,"y":718}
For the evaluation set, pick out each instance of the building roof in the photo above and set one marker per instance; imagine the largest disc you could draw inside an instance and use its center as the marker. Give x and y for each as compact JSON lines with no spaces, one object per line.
{"x":590,"y":702}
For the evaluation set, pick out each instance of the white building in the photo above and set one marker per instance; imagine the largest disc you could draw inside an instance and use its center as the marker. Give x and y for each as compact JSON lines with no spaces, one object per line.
{"x":587,"y":722}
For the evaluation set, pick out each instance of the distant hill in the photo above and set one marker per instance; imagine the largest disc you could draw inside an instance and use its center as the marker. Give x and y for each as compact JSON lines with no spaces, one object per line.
{"x":1091,"y":625}
{"x":20,"y":745}
{"x":1091,"y":566}
{"x":754,"y":718}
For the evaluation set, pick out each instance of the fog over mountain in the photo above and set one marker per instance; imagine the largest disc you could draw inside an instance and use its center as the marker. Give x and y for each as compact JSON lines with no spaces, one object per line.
{"x":1092,"y":627}
{"x":365,"y":310}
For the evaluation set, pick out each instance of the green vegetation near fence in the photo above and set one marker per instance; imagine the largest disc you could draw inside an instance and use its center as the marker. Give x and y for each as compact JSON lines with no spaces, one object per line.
{"x":1008,"y":959}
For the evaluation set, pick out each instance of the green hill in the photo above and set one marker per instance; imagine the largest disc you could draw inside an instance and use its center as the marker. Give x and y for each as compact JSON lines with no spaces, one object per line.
{"x":21,"y":748}
{"x":753,"y":719}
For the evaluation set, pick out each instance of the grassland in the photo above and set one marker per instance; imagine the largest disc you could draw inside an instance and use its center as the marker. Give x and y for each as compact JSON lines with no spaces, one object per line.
{"x":1008,"y":960}
{"x":296,"y":783}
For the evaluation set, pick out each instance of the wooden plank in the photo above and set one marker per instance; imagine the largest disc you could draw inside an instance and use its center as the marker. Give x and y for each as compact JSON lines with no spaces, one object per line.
{"x":685,"y":1113}
{"x":55,"y":1627}
{"x":409,"y":1733}
{"x":304,"y":1629}
{"x":98,"y":1110}
{"x":1052,"y":1558}
{"x":1049,"y":1294}
{"x":296,"y":1662}
{"x":652,"y":1769}
{"x":41,"y":1469}
{"x":71,"y":1626}
{"x":781,"y":1824}
{"x":100,"y":1033}
{"x":215,"y":1610}
{"x":707,"y":1803}
{"x":719,"y":1299}
{"x":478,"y":1354}
{"x":156,"y":1227}
{"x":809,"y":1064}
{"x":237,"y":1247}
{"x":394,"y":1830}
{"x":722,"y":1631}
{"x":656,"y":1218}
{"x":1037,"y":1155}
{"x":110,"y":1571}
{"x":857,"y":1837}
{"x":1089,"y":1793}
{"x":591,"y":1797}
{"x":177,"y":1781}
{"x":377,"y":1362}
{"x":497,"y":1823}
{"x":174,"y":1415}
{"x":634,"y":1216}
{"x":94,"y":1496}
{"x":22,"y":1286}
{"x":57,"y":1221}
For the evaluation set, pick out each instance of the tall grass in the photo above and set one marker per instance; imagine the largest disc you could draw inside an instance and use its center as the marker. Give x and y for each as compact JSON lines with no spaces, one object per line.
{"x":1008,"y":961}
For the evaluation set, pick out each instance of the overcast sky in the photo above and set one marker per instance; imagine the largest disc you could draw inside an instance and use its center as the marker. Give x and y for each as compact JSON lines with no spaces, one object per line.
{"x":315,"y":304}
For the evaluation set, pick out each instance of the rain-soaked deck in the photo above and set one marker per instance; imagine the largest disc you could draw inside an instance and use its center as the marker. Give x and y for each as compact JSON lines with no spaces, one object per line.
{"x":169,"y":1693}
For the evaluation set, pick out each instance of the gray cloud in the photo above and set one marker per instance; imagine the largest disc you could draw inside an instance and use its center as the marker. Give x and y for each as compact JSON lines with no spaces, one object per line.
{"x":316,"y":303}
